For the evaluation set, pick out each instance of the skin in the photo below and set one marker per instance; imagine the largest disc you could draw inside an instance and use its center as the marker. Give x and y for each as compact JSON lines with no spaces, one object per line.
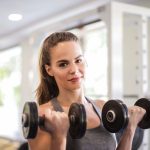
{"x":68,"y":68}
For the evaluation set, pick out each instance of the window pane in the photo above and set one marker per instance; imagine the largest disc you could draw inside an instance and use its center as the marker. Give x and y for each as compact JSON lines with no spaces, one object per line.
{"x":96,"y":54}
{"x":10,"y":79}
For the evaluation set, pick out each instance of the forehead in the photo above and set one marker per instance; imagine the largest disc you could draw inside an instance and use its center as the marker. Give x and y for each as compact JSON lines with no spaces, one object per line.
{"x":66,"y":50}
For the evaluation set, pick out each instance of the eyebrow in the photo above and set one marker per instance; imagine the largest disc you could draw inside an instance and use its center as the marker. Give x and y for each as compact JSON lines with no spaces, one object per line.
{"x":64,"y":60}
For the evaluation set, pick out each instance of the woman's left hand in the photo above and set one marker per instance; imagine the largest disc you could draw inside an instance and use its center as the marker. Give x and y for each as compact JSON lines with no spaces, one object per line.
{"x":136,"y":114}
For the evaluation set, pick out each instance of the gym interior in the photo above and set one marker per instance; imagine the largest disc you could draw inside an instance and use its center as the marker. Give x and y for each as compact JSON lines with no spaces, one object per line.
{"x":114,"y":35}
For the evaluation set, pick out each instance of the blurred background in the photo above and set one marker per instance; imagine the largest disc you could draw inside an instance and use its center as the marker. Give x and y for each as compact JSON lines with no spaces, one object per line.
{"x":115,"y":37}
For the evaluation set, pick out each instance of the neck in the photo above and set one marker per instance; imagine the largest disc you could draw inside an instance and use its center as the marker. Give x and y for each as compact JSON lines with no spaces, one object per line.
{"x":66,"y":98}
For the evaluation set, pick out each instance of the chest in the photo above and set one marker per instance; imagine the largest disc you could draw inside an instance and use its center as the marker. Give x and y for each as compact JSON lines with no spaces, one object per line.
{"x":94,"y":139}
{"x":92,"y":117}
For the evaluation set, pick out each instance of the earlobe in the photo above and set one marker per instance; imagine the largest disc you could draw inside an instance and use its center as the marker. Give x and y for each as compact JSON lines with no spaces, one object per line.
{"x":48,"y":70}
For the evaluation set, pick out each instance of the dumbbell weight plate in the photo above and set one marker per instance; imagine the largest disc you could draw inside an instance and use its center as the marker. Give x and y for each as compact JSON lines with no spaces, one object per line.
{"x":30,"y":120}
{"x":144,"y":103}
{"x":77,"y":118}
{"x":114,"y":115}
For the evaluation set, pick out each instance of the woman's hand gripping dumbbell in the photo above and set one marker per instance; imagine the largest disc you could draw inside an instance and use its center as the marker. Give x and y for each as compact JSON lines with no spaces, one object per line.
{"x":75,"y":121}
{"x":116,"y":115}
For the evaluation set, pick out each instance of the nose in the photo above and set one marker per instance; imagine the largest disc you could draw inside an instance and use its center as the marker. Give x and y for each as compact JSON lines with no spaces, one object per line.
{"x":74,"y":69}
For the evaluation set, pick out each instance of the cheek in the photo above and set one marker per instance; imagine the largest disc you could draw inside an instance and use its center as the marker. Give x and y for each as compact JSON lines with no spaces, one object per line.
{"x":61,"y":78}
{"x":60,"y":75}
{"x":83,"y":68}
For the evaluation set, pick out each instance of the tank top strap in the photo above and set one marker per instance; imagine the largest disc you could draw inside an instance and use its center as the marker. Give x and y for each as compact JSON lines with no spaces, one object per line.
{"x":98,"y":111}
{"x":96,"y":108}
{"x":56,"y":105}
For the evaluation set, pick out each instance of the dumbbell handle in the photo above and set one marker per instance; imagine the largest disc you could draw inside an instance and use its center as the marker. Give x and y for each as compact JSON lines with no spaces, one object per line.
{"x":41,"y":120}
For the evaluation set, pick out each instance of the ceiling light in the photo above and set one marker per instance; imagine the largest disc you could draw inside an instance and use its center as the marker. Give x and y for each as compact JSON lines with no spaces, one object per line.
{"x":15,"y":17}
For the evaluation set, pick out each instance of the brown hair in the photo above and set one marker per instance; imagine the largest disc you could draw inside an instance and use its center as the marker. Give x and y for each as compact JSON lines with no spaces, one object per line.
{"x":47,"y":88}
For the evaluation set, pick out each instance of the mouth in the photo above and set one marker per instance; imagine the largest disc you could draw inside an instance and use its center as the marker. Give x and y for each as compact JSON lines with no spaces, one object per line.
{"x":75,"y":79}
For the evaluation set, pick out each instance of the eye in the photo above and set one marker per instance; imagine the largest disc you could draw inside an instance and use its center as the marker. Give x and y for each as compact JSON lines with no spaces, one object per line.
{"x":80,"y":60}
{"x":63,"y":65}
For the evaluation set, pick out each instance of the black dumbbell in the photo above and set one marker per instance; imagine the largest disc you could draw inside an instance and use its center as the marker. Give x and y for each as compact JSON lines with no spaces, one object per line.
{"x":115,"y":115}
{"x":31,"y":120}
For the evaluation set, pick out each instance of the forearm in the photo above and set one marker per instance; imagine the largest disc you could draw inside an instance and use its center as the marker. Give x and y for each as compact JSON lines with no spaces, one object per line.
{"x":41,"y":144}
{"x":126,"y":139}
{"x":46,"y":141}
{"x":58,"y":143}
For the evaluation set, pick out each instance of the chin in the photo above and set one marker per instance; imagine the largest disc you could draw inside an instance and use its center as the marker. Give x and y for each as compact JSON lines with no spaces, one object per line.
{"x":76,"y":87}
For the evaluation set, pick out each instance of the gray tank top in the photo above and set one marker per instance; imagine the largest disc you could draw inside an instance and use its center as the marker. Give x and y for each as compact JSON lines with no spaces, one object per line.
{"x":94,"y":139}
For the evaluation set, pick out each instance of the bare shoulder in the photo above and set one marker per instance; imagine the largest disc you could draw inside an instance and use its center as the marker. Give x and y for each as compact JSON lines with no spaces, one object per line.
{"x":100,"y":103}
{"x":42,"y":108}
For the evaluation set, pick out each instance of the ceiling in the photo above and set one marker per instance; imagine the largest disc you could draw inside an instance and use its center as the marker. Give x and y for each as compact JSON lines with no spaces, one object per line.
{"x":35,"y":12}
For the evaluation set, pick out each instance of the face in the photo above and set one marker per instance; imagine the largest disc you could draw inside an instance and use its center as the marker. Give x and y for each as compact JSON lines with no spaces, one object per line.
{"x":67,"y":65}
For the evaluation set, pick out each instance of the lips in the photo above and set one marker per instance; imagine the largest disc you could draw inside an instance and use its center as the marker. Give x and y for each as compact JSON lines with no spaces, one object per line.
{"x":74,"y":79}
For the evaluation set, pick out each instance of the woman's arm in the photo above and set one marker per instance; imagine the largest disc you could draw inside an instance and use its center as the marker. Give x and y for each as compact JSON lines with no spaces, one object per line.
{"x":135,"y":116}
{"x":44,"y":141}
{"x":41,"y":142}
{"x":52,"y":136}
{"x":126,"y":139}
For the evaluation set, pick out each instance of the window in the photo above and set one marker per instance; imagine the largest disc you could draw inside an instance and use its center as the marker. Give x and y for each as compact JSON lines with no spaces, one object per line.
{"x":10,"y":79}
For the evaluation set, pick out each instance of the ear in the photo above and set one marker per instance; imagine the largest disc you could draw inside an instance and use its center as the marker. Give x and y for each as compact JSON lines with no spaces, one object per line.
{"x":48,"y":70}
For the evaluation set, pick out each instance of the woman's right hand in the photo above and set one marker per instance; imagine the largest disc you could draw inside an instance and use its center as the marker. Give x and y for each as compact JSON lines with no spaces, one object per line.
{"x":56,"y":123}
{"x":52,"y":135}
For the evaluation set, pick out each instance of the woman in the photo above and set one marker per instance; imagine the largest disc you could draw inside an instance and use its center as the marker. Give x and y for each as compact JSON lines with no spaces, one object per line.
{"x":62,"y":73}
